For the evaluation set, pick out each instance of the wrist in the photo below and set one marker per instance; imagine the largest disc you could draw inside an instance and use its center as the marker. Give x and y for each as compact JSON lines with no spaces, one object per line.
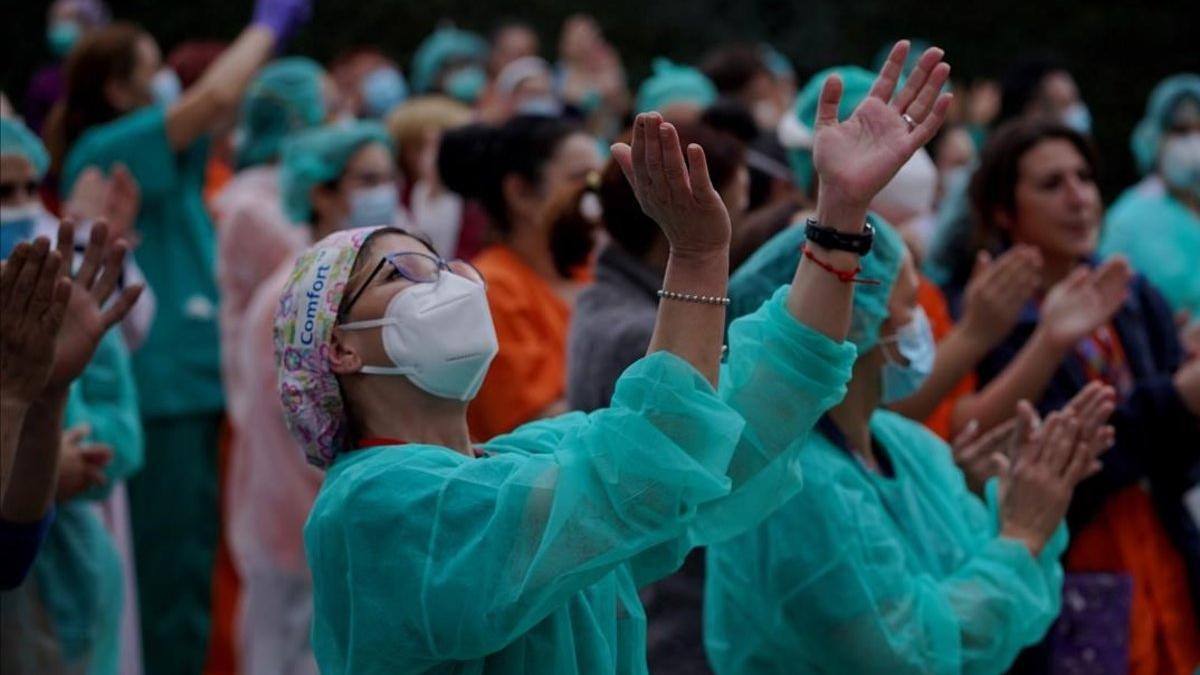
{"x":840,"y":214}
{"x":1029,"y":540}
{"x":1046,"y":340}
{"x":977,"y":337}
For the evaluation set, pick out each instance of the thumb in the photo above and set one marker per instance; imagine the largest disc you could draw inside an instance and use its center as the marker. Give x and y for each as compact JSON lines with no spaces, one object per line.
{"x":623,"y":154}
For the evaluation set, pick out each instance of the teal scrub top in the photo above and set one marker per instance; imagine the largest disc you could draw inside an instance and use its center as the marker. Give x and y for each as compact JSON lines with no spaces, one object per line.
{"x":1161,"y":238}
{"x":862,"y":573}
{"x":69,"y":611}
{"x":528,"y":559}
{"x":178,"y":367}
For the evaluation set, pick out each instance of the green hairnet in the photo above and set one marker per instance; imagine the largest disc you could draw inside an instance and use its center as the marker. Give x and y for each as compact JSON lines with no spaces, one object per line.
{"x":774,"y":264}
{"x":441,"y":47}
{"x":284,"y":98}
{"x":318,"y":156}
{"x":1159,"y":108}
{"x":674,"y":83}
{"x":17,"y":139}
{"x":856,"y":83}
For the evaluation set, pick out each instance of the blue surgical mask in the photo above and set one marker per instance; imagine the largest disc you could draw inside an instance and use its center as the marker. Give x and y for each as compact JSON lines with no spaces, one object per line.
{"x":383,"y":90}
{"x":370,"y":207}
{"x":1078,"y":117}
{"x":166,"y":87}
{"x":541,"y":106}
{"x":466,"y":84}
{"x":61,"y":36}
{"x":916,"y":345}
{"x":17,"y":224}
{"x":1180,"y":163}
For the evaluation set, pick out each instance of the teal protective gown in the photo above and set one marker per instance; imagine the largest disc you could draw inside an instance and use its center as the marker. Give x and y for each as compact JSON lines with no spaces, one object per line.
{"x":861,"y":573}
{"x":65,"y":618}
{"x":1161,"y":238}
{"x":528,"y":559}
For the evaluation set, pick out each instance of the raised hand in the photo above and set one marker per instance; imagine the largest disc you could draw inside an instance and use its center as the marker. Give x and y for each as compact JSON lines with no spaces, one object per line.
{"x":33,"y":301}
{"x":1038,"y":488}
{"x":1084,"y":301}
{"x":87,"y":317}
{"x":856,"y":158}
{"x":678,"y":196}
{"x":81,"y":463}
{"x":998,"y":290}
{"x":114,"y":199}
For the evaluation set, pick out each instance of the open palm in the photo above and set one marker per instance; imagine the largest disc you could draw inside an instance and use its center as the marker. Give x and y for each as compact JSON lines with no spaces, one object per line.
{"x":87,"y":318}
{"x":1084,"y":301}
{"x":856,"y":158}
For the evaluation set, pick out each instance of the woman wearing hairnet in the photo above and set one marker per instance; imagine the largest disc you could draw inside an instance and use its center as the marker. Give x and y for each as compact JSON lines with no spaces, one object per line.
{"x":524,"y":555}
{"x":1156,"y":224}
{"x":323,"y":173}
{"x":885,"y":561}
{"x":679,"y":92}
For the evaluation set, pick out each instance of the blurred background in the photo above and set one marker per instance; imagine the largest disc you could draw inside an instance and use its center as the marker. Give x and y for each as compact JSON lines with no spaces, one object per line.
{"x":1116,"y":50}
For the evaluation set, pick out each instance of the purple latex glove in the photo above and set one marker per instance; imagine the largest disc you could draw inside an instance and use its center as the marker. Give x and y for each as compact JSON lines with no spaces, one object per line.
{"x":283,"y":17}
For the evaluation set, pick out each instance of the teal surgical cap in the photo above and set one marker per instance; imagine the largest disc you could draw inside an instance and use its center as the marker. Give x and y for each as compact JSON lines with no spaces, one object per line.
{"x":856,"y":84}
{"x":674,"y":83}
{"x":317,"y":156}
{"x":1159,"y":109}
{"x":882,"y":264}
{"x":285,"y":97}
{"x":17,"y":139}
{"x":442,"y":47}
{"x":777,"y":63}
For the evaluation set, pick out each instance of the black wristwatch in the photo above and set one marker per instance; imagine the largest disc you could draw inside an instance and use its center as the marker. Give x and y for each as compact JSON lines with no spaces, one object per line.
{"x":836,"y":240}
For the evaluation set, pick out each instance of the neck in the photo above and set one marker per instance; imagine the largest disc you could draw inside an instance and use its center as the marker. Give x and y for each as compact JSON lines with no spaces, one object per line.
{"x":532,"y":246}
{"x":405,"y":413}
{"x":853,"y":415}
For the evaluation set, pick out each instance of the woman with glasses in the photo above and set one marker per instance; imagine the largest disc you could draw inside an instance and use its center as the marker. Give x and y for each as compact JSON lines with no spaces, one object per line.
{"x":329,"y":178}
{"x":524,"y":555}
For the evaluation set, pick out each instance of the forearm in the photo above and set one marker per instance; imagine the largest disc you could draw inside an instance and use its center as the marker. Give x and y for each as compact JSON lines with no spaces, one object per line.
{"x":957,"y":356}
{"x":817,"y":298}
{"x":690,"y":330}
{"x":36,"y":461}
{"x":12,"y":418}
{"x":1025,"y":378}
{"x":216,"y":96}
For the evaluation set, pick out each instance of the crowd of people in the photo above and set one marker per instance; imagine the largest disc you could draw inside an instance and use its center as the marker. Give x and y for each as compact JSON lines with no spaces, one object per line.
{"x":498,"y":364}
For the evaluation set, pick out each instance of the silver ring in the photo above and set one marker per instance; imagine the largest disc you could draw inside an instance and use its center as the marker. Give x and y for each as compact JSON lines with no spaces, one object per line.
{"x":912,"y":124}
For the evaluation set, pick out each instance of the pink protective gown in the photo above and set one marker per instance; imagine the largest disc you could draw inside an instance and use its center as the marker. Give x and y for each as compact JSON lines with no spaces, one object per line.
{"x":270,"y":487}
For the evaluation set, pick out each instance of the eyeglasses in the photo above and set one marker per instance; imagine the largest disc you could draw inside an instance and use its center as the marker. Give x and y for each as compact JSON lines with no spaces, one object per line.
{"x":8,"y":189}
{"x":419,"y":268}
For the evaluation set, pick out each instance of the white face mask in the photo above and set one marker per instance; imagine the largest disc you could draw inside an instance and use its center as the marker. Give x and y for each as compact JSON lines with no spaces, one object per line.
{"x":1180,"y":163}
{"x":910,"y":193}
{"x":914,"y":340}
{"x":166,"y":86}
{"x":439,"y":335}
{"x":370,"y":207}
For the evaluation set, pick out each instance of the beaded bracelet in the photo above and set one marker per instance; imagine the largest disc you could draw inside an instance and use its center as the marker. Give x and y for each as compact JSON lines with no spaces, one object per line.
{"x":688,"y":297}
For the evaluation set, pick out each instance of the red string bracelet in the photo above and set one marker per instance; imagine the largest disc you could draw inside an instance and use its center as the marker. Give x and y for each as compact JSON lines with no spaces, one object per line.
{"x":844,"y":276}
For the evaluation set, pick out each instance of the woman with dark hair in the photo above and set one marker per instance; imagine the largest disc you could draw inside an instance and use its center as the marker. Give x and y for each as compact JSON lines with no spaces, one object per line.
{"x":533,"y":271}
{"x":108,"y":117}
{"x":1131,"y":535}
